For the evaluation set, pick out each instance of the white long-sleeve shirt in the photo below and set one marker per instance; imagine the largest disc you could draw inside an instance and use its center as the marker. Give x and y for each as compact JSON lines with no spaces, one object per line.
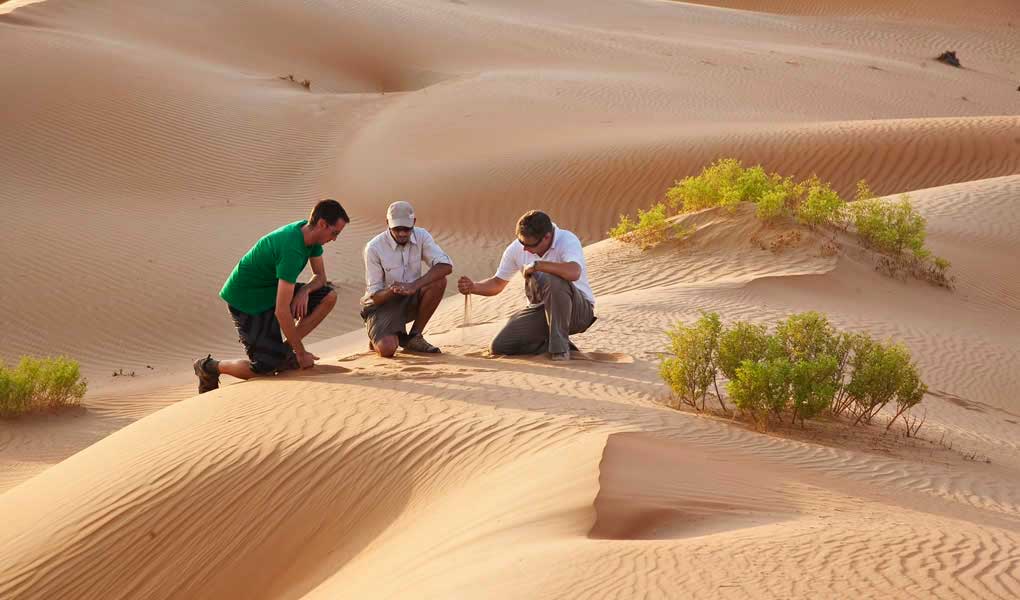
{"x":387,"y":262}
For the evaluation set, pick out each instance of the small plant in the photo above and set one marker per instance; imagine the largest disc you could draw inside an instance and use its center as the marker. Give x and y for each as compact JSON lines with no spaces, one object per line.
{"x":821,"y":206}
{"x":40,"y":384}
{"x":651,"y":228}
{"x":892,"y":227}
{"x":690,"y":369}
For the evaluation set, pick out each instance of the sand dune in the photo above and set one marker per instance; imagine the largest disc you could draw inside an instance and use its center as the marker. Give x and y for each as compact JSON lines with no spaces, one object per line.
{"x":147,"y":145}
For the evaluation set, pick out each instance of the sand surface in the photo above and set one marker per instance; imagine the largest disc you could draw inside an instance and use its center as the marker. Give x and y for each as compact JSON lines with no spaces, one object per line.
{"x":146,"y":145}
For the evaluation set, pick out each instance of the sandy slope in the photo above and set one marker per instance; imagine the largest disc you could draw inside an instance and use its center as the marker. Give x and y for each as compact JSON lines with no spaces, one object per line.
{"x":146,"y":145}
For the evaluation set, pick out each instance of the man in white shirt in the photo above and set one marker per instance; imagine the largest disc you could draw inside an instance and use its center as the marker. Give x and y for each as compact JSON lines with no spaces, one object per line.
{"x":555,"y":282}
{"x":396,"y":292}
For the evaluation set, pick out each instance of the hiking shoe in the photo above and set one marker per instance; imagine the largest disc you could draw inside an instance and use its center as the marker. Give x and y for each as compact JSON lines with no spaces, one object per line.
{"x":207,"y":381}
{"x":558,"y":356}
{"x":417,"y":343}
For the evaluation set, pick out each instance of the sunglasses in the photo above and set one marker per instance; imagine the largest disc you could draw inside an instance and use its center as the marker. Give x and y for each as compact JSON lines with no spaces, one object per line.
{"x":401,"y":229}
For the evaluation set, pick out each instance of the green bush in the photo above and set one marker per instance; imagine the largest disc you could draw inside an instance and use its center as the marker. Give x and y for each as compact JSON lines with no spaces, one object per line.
{"x":893,"y":227}
{"x":761,"y":388}
{"x":805,"y":367}
{"x":743,"y":341}
{"x":821,"y":206}
{"x":773,"y":204}
{"x":726,"y":183}
{"x":691,"y":368}
{"x":651,"y":228}
{"x":807,"y":336}
{"x":882,"y":373}
{"x":40,"y":384}
{"x":813,"y":386}
{"x":715,"y":182}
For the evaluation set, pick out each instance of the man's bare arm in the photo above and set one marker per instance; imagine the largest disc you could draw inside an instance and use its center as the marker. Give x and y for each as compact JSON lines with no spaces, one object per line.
{"x":571,"y":271}
{"x":284,"y":294}
{"x":318,"y":275}
{"x":486,"y":287}
{"x":434,"y":274}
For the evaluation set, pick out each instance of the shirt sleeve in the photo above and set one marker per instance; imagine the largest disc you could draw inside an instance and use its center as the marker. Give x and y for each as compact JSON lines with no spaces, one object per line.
{"x":572,"y":251}
{"x":509,"y":264}
{"x":431,"y":253}
{"x":375,"y":277}
{"x":290,"y":265}
{"x":315,"y":250}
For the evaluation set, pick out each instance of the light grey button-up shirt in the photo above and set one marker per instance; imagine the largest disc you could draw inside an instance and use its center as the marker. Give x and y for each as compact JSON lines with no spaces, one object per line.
{"x":387,"y":262}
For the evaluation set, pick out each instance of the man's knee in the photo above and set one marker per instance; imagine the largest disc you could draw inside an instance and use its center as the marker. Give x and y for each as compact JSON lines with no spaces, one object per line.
{"x":438,"y":286}
{"x":387,"y":346}
{"x":546,"y":284}
{"x":329,"y":301}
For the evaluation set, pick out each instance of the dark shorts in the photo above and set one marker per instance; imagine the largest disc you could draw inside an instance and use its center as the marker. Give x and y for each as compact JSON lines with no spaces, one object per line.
{"x":390,"y":318}
{"x":261,"y":337}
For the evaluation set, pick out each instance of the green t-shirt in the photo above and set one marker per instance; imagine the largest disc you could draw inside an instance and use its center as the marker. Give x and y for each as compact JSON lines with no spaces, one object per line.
{"x":281,"y":254}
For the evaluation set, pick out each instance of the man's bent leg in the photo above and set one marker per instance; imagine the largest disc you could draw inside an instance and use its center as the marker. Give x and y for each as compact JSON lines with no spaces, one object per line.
{"x":386,"y":346}
{"x":429,"y":298}
{"x":318,"y":311}
{"x":557,"y":297}
{"x":527,"y":332}
{"x":385,"y":324}
{"x":240,"y":368}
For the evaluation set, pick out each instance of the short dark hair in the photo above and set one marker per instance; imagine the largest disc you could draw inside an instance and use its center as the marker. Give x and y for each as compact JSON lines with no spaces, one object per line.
{"x":330,"y":211}
{"x":534,"y":224}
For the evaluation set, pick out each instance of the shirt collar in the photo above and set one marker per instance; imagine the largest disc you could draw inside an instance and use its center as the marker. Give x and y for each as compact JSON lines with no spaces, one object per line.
{"x":393,"y":243}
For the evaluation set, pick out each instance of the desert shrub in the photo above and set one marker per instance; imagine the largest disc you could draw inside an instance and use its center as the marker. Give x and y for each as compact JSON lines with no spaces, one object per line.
{"x":726,"y":183}
{"x":805,"y":367}
{"x":40,"y":384}
{"x":772,"y":205}
{"x":882,"y":373}
{"x":813,"y":385}
{"x":651,"y":228}
{"x":690,"y":368}
{"x":708,"y":188}
{"x":761,"y":388}
{"x":847,"y":346}
{"x":739,"y":342}
{"x":893,"y":227}
{"x":821,"y":205}
{"x":807,"y":336}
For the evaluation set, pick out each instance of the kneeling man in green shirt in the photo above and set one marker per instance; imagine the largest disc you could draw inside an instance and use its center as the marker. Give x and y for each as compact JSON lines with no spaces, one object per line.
{"x":267,"y":304}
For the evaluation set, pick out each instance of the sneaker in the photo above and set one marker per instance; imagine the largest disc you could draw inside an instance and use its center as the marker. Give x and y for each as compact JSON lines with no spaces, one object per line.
{"x":558,"y":356}
{"x":417,"y":343}
{"x":207,"y":381}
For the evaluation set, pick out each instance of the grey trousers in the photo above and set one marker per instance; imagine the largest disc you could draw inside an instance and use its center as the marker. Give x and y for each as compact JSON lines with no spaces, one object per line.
{"x":536,"y":329}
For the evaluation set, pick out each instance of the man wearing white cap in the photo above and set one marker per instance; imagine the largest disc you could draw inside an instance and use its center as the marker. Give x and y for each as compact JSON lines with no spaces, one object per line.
{"x":396,"y":292}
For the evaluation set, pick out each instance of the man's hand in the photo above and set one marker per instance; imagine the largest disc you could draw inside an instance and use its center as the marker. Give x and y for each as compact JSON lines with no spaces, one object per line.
{"x":465,"y":285}
{"x":529,"y":269}
{"x":306,"y":359}
{"x":299,"y":305}
{"x":403,"y":289}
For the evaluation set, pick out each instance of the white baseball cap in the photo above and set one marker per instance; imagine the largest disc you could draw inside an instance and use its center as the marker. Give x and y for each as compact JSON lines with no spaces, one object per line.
{"x":400,"y":214}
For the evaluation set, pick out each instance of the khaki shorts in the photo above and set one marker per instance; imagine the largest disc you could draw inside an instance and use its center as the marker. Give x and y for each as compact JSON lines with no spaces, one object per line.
{"x":390,"y":318}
